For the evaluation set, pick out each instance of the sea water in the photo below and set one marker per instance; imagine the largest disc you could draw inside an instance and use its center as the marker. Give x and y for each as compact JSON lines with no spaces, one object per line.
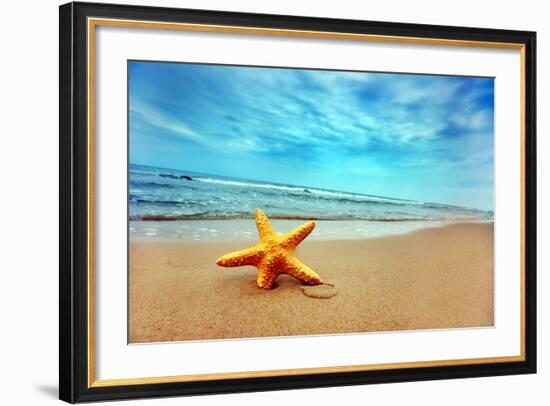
{"x":159,"y":199}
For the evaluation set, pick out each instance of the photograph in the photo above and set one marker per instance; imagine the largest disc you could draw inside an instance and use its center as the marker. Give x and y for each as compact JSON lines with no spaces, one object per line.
{"x":287,"y":201}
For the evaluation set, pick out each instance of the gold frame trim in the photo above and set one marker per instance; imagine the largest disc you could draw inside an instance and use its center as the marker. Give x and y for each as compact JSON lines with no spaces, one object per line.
{"x":94,"y":22}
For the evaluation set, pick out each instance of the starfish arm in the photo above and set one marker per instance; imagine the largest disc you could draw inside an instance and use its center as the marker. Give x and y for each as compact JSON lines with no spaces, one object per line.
{"x":248,"y":256}
{"x":296,"y":236}
{"x":298,"y":270}
{"x":265,"y":231}
{"x":267,"y":273}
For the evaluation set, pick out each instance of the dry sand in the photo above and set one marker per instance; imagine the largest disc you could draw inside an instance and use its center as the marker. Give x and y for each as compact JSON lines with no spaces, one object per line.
{"x":433,"y":278}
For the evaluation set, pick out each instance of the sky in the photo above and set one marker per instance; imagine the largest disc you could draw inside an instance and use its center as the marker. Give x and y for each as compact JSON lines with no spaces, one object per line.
{"x":420,"y":137}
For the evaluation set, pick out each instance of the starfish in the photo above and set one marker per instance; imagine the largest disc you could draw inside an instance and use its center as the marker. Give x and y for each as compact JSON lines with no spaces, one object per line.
{"x":274,"y":254}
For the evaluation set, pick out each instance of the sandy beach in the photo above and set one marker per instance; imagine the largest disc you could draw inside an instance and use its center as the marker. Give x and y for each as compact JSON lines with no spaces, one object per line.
{"x":426,"y":279}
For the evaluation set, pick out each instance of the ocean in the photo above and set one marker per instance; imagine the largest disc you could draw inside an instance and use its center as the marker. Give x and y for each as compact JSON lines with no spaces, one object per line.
{"x":158,"y":196}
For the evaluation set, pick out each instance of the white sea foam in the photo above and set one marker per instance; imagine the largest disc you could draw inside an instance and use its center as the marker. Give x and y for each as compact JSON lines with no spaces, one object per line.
{"x":245,"y":230}
{"x":301,"y":190}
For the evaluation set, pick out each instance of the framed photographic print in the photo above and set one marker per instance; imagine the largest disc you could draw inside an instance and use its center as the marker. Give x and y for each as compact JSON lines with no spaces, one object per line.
{"x":256,"y":202}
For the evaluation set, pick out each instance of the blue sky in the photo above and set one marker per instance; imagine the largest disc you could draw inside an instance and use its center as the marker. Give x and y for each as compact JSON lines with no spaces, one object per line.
{"x":421,"y":137}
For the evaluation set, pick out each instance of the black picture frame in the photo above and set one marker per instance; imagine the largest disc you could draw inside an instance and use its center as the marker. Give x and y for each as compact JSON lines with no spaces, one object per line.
{"x":74,"y":385}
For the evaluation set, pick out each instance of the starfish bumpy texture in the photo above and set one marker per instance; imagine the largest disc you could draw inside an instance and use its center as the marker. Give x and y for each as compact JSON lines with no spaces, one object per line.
{"x":273,"y":254}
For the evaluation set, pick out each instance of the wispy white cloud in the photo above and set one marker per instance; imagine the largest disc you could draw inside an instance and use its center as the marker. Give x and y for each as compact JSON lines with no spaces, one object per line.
{"x":475,"y":120}
{"x":156,"y":118}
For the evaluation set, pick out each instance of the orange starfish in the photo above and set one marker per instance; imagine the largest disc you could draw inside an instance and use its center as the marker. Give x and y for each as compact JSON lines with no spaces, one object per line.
{"x":273,"y":254}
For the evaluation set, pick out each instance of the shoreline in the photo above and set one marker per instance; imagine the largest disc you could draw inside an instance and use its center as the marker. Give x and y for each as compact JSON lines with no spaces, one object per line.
{"x":431,"y":278}
{"x":212,"y":230}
